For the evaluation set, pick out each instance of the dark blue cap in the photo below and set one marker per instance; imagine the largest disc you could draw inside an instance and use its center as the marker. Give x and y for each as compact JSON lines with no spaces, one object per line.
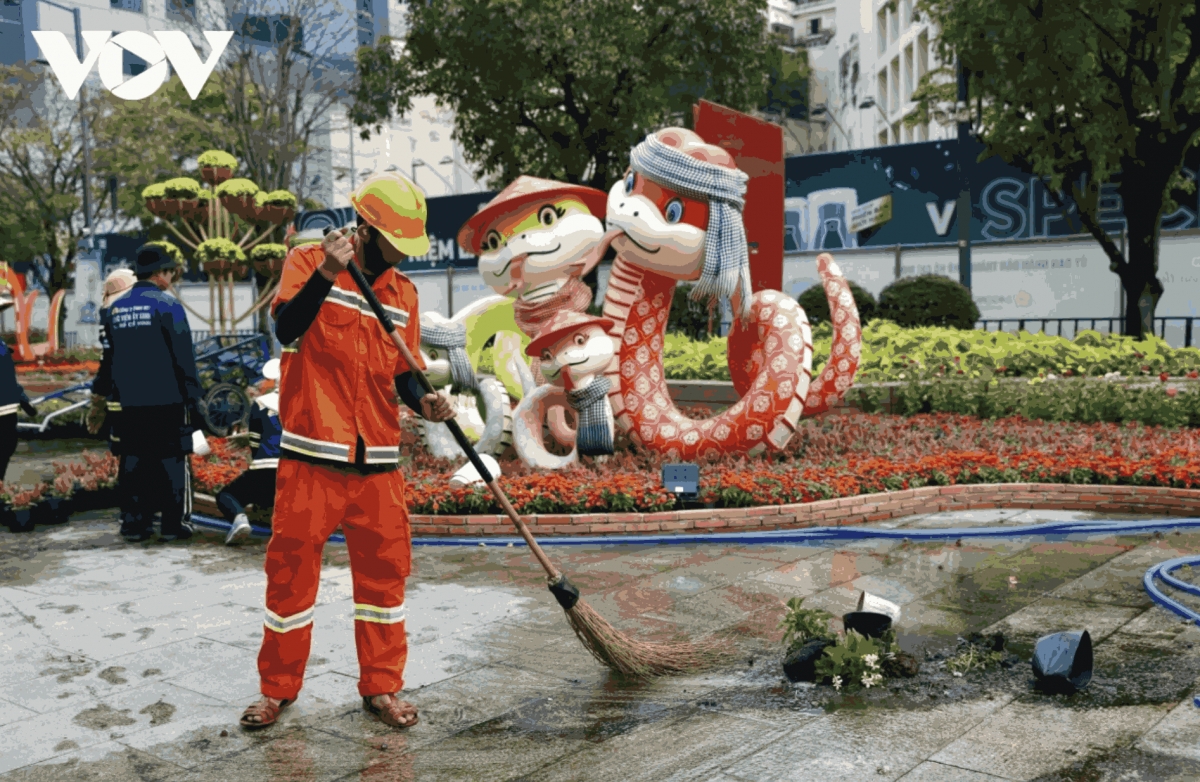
{"x":151,"y":259}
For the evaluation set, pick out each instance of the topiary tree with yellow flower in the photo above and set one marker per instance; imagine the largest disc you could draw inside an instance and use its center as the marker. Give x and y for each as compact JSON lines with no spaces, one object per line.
{"x":227,"y":224}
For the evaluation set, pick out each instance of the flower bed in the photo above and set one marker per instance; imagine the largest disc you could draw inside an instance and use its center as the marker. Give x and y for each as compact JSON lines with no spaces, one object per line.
{"x":833,"y":457}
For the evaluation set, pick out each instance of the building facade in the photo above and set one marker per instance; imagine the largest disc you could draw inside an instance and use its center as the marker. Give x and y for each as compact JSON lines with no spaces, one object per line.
{"x":867,"y":58}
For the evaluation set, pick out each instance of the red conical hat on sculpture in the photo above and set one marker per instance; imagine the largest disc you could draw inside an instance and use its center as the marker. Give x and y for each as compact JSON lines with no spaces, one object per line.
{"x":523,"y":191}
{"x":563,"y":323}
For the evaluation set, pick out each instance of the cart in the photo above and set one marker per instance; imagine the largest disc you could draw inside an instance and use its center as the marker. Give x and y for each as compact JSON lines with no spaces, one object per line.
{"x":227,"y":364}
{"x":80,"y":396}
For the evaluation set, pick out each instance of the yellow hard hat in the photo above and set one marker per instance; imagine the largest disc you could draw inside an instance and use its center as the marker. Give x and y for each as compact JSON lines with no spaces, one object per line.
{"x":395,"y":207}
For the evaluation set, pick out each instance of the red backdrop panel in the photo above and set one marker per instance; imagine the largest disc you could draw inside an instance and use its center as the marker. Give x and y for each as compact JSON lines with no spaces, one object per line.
{"x":757,"y":148}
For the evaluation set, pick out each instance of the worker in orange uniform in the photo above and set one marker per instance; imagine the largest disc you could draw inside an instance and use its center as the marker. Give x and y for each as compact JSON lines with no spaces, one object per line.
{"x":339,"y":451}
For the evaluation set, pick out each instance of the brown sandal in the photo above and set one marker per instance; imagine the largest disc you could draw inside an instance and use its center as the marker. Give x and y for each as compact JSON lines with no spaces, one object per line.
{"x":392,"y":712}
{"x":266,"y":709}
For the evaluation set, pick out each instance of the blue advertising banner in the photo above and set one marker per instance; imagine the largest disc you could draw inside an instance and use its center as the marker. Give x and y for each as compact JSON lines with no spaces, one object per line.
{"x":831,"y":194}
{"x":446,"y":215}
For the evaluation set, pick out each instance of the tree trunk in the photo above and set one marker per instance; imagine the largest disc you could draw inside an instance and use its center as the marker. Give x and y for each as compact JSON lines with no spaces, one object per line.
{"x":1139,"y":276}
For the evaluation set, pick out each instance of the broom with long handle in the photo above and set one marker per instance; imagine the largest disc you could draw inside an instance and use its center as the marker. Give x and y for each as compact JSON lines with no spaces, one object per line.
{"x":607,"y":644}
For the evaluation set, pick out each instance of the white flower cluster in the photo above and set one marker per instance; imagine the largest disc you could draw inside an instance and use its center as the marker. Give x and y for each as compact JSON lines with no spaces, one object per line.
{"x":837,"y":683}
{"x":871,"y":679}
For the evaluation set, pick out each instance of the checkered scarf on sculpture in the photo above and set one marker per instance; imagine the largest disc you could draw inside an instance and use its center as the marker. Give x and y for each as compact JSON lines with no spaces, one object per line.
{"x":726,"y":257}
{"x":593,"y":435}
{"x":452,"y":337}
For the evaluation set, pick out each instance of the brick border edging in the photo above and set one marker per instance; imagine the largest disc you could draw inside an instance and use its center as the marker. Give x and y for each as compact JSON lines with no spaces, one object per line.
{"x":836,"y":512}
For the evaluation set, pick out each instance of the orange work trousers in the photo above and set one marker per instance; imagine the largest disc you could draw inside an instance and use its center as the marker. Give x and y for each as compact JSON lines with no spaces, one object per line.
{"x":310,"y":501}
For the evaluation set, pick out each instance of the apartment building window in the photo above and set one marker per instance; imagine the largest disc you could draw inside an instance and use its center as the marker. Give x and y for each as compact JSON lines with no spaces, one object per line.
{"x":906,"y":13}
{"x":181,"y":7}
{"x":895,"y":84}
{"x":896,"y":133}
{"x":883,"y":138}
{"x":883,"y":90}
{"x":127,"y":5}
{"x":881,"y":25}
{"x":923,"y":132}
{"x":908,"y":72}
{"x":276,"y":29}
{"x":922,"y":55}
{"x":895,"y":26}
{"x":814,"y":26}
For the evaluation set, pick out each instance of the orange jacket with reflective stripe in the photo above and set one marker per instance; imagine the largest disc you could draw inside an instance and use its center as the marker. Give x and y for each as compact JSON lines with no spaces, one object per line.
{"x":339,"y":384}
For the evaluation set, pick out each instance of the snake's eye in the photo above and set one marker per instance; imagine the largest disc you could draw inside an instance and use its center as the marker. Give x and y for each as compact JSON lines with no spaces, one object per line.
{"x":674,"y":211}
{"x":433,"y":354}
{"x":547,"y":215}
{"x":492,"y":242}
{"x":580,"y":339}
{"x":547,"y":356}
{"x":630,"y":181}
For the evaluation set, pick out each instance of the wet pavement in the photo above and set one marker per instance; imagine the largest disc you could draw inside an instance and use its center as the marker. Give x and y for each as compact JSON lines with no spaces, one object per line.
{"x":133,"y":662}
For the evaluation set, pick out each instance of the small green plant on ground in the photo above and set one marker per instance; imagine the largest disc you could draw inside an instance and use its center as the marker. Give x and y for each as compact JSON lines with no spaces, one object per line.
{"x":973,"y":659}
{"x":854,"y":663}
{"x":801,"y":625}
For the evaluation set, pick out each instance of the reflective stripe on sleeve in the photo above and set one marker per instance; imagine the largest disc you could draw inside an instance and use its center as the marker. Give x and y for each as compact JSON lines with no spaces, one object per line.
{"x":383,"y":454}
{"x":264,"y":464}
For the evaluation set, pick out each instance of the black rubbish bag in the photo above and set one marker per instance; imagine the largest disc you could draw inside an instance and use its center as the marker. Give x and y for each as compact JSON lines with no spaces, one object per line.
{"x":1062,"y":662}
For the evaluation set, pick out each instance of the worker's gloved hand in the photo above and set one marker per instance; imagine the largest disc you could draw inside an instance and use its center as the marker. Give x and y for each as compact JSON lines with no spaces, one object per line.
{"x":436,"y":408}
{"x":339,"y":251}
{"x":96,"y":414}
{"x":29,"y":409}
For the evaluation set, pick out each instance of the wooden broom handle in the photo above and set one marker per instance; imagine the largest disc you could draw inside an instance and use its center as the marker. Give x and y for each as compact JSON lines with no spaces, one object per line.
{"x":455,"y":430}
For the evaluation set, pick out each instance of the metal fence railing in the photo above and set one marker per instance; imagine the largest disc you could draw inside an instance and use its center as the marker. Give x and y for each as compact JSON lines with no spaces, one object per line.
{"x":1111,"y":325}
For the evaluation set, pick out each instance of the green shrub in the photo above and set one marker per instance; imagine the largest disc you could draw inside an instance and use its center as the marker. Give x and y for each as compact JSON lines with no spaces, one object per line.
{"x":856,"y":662}
{"x":816,"y":305}
{"x":688,"y":317}
{"x":801,"y":625}
{"x":182,"y":187}
{"x":237,"y":188}
{"x":687,"y":359}
{"x":215,"y":158}
{"x":928,"y":300}
{"x":215,"y":249}
{"x":268,"y":252}
{"x":280,"y":198}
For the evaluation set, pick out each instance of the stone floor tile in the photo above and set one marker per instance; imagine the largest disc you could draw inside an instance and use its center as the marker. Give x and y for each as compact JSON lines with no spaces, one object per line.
{"x":1052,"y":615}
{"x":867,"y":745}
{"x":780,"y":552}
{"x":297,"y":754}
{"x":829,"y":568}
{"x":11,"y":712}
{"x":692,"y":747}
{"x":1176,"y":734}
{"x":963,"y":518}
{"x":940,"y":772}
{"x":1027,"y":740}
{"x":111,"y":761}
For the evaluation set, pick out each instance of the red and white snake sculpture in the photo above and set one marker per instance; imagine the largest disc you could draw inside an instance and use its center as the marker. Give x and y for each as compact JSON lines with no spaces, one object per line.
{"x":659,"y":234}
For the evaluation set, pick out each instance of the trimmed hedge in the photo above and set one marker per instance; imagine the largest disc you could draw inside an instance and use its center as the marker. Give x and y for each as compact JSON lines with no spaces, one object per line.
{"x":816,"y":305}
{"x":928,"y":300}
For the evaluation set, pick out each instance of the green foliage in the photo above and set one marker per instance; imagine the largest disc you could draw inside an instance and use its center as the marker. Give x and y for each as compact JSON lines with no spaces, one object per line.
{"x":974,"y":659}
{"x":204,"y":195}
{"x":854,"y":663}
{"x":181,"y":187}
{"x":787,"y":83}
{"x":801,"y":625}
{"x":157,"y":190}
{"x":216,"y":158}
{"x":688,"y":317}
{"x":816,"y":305}
{"x":268,"y":252}
{"x":686,"y":359}
{"x":1113,"y":86}
{"x":928,"y":300}
{"x":279,"y":198}
{"x":219,"y":249}
{"x":562,"y":89}
{"x":236,"y":188}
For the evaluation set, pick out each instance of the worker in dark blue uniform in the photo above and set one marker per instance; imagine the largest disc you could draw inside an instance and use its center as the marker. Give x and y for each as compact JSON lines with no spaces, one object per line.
{"x":256,"y":486}
{"x":12,"y":396}
{"x":149,"y":370}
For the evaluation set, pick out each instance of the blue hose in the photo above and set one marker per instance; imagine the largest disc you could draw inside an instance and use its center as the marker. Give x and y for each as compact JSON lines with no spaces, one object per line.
{"x":833,"y":535}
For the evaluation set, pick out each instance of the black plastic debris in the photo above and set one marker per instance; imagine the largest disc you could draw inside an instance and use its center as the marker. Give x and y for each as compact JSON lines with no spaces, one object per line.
{"x":1062,"y":662}
{"x":867,"y":623}
{"x":801,"y":665}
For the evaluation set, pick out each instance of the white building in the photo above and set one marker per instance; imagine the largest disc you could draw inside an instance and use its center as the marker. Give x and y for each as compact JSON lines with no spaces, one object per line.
{"x":867,"y":58}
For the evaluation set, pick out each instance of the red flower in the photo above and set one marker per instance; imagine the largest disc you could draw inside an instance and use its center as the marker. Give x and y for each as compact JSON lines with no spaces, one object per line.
{"x":1164,"y":377}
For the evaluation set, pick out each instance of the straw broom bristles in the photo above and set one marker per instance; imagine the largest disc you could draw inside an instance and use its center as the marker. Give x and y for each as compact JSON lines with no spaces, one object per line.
{"x":641,"y":659}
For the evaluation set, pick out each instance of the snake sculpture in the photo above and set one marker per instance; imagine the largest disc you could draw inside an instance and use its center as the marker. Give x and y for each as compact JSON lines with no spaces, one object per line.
{"x":677,"y":217}
{"x":535,"y":240}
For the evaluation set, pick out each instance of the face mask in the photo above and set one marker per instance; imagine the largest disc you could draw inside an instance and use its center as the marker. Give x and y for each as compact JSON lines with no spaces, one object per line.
{"x":373,"y":262}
